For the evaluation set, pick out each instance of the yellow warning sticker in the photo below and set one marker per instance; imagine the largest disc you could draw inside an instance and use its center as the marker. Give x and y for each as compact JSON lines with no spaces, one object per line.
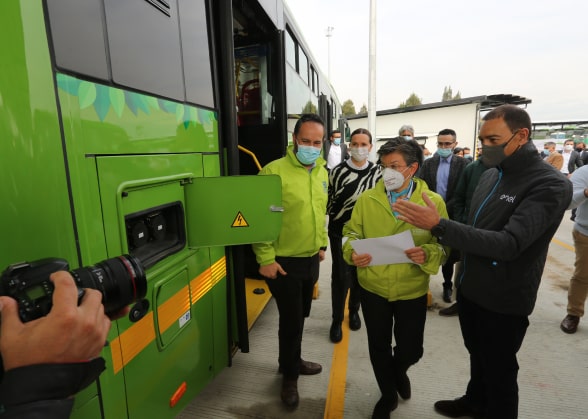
{"x":240,"y":221}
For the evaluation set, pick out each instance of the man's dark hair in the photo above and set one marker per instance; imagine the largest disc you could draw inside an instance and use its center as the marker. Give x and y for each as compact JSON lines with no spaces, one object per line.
{"x":514,"y":117}
{"x":335,"y":131}
{"x":307,"y":117}
{"x":410,"y":150}
{"x":448,"y":131}
{"x":362,"y":131}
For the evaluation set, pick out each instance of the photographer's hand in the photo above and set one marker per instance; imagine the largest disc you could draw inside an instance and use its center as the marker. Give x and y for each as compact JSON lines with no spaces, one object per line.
{"x":69,"y":333}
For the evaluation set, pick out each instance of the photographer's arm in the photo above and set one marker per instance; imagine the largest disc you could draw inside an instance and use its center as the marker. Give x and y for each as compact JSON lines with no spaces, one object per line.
{"x":48,"y":360}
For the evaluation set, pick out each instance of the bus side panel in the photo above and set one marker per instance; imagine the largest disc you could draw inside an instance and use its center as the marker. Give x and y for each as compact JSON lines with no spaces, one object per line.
{"x":133,"y":161}
{"x":35,"y":215}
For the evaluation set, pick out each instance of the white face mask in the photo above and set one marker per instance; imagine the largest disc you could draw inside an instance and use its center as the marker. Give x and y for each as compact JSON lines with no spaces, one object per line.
{"x":568,"y":147}
{"x":393,"y":179}
{"x":359,"y":153}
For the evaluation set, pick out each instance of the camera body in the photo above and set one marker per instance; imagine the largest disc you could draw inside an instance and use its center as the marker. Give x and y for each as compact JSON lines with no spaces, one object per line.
{"x":121,"y":280}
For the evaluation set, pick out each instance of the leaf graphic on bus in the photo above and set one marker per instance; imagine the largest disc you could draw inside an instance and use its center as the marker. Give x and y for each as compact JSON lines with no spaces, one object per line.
{"x":117,"y":100}
{"x":86,"y":94}
{"x":167,"y":105}
{"x":102,"y":102}
{"x":136,"y":102}
{"x":69,"y":84}
{"x":151,"y":102}
{"x":179,"y":112}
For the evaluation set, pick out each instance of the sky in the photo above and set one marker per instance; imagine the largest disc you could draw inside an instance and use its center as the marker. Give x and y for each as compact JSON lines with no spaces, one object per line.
{"x":536,"y":49}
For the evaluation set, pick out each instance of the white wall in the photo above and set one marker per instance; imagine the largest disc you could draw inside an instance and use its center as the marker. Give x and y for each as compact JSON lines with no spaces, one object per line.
{"x":463,"y":119}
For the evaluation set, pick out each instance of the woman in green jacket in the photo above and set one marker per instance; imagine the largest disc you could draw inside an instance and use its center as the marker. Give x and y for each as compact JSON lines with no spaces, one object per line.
{"x":394,"y":296}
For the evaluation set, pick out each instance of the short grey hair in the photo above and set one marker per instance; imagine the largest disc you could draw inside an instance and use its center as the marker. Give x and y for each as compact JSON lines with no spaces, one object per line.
{"x":406,"y":128}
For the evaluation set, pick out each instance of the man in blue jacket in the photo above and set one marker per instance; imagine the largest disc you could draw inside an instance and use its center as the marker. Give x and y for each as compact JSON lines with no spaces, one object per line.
{"x":515,"y":211}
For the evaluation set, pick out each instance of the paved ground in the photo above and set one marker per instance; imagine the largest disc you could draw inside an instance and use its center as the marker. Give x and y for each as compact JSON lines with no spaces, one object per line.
{"x":553,"y":375}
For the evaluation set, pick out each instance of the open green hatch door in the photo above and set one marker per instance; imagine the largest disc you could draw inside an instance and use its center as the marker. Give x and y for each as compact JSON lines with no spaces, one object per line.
{"x":233,"y":210}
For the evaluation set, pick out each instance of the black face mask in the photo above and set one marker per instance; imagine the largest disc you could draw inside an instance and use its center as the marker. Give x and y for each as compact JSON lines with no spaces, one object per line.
{"x":494,"y":154}
{"x":579,"y":149}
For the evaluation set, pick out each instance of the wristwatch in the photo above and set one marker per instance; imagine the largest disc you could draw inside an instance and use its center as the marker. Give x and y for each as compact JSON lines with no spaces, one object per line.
{"x":438,"y":231}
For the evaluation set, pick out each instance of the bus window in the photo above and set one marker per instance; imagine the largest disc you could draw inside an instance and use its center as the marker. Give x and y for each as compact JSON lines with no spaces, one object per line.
{"x":290,"y":49}
{"x":79,"y":43}
{"x":197,"y":70}
{"x":303,"y":65}
{"x":144,"y":48}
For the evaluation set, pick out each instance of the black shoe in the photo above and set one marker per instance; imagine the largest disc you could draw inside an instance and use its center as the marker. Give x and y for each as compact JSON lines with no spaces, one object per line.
{"x":384,"y":406}
{"x":289,"y":393}
{"x":354,"y":320}
{"x":456,"y":408}
{"x":336,"y":334}
{"x":447,"y":295}
{"x":403,"y":386}
{"x":309,"y":368}
{"x":570,"y":323}
{"x":449,"y":311}
{"x":306,"y":368}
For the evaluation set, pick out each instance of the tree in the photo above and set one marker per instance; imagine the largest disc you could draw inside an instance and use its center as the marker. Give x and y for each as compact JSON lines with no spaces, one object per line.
{"x":348,"y":108}
{"x":448,"y":94}
{"x":363,"y":109}
{"x":413,"y":100}
{"x":309,"y":108}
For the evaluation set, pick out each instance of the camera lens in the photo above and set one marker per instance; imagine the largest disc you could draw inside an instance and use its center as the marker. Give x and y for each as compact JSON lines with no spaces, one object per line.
{"x":121,"y":280}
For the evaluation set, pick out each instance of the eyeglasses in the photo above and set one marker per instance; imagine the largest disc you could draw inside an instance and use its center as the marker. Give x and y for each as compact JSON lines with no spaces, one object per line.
{"x":444,"y":144}
{"x":390,"y":166}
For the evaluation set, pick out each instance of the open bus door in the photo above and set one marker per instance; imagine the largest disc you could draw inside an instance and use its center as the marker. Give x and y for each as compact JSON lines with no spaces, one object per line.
{"x":251,"y":70}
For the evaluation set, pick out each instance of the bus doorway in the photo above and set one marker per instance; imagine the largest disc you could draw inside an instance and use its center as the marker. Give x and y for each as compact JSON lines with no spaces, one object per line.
{"x":260,"y":94}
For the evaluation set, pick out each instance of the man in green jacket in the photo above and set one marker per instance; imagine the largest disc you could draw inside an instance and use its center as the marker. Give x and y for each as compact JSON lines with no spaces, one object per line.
{"x":290,"y":264}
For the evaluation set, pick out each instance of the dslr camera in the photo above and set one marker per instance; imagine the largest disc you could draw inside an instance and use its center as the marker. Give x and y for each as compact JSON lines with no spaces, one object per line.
{"x":121,"y":280}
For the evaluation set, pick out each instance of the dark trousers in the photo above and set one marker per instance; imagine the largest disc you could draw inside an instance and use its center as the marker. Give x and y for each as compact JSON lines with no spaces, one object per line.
{"x":492,"y":340}
{"x":406,"y":320}
{"x":293,"y":295}
{"x":447,"y":268}
{"x":343,"y":278}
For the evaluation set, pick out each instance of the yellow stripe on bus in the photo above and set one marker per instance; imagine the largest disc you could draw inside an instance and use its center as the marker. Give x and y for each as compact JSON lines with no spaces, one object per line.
{"x":132,"y":341}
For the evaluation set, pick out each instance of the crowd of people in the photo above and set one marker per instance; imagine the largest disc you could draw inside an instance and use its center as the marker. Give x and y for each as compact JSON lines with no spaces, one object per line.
{"x":493,"y":217}
{"x":486,"y":216}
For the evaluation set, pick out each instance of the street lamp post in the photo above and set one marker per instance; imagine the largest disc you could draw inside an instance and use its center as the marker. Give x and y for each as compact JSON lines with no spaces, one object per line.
{"x":329,"y":34}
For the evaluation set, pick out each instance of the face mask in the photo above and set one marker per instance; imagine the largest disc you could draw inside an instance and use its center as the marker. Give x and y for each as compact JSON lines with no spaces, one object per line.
{"x":568,"y":147}
{"x":444,"y":152}
{"x":546,"y":152}
{"x":393,"y":179}
{"x":307,"y":154}
{"x":337,"y":141}
{"x":359,"y":153}
{"x":467,"y":156}
{"x":494,"y":154}
{"x":407,"y":137}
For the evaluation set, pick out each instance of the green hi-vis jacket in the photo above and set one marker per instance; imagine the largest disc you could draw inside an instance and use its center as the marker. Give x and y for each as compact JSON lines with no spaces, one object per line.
{"x":304,"y":198}
{"x":373,"y":217}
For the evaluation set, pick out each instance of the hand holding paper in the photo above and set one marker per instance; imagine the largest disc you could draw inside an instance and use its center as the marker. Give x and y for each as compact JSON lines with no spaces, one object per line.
{"x":386,"y":250}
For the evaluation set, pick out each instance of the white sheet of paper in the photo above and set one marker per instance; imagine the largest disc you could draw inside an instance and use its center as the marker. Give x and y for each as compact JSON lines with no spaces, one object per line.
{"x":386,"y":250}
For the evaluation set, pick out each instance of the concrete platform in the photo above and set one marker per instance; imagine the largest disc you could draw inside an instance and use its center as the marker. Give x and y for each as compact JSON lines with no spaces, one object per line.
{"x":553,"y":375}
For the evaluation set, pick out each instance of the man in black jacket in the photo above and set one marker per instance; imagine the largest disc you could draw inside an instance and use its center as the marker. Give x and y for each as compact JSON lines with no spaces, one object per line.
{"x":442,"y":172}
{"x":514,"y":213}
{"x":48,"y":360}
